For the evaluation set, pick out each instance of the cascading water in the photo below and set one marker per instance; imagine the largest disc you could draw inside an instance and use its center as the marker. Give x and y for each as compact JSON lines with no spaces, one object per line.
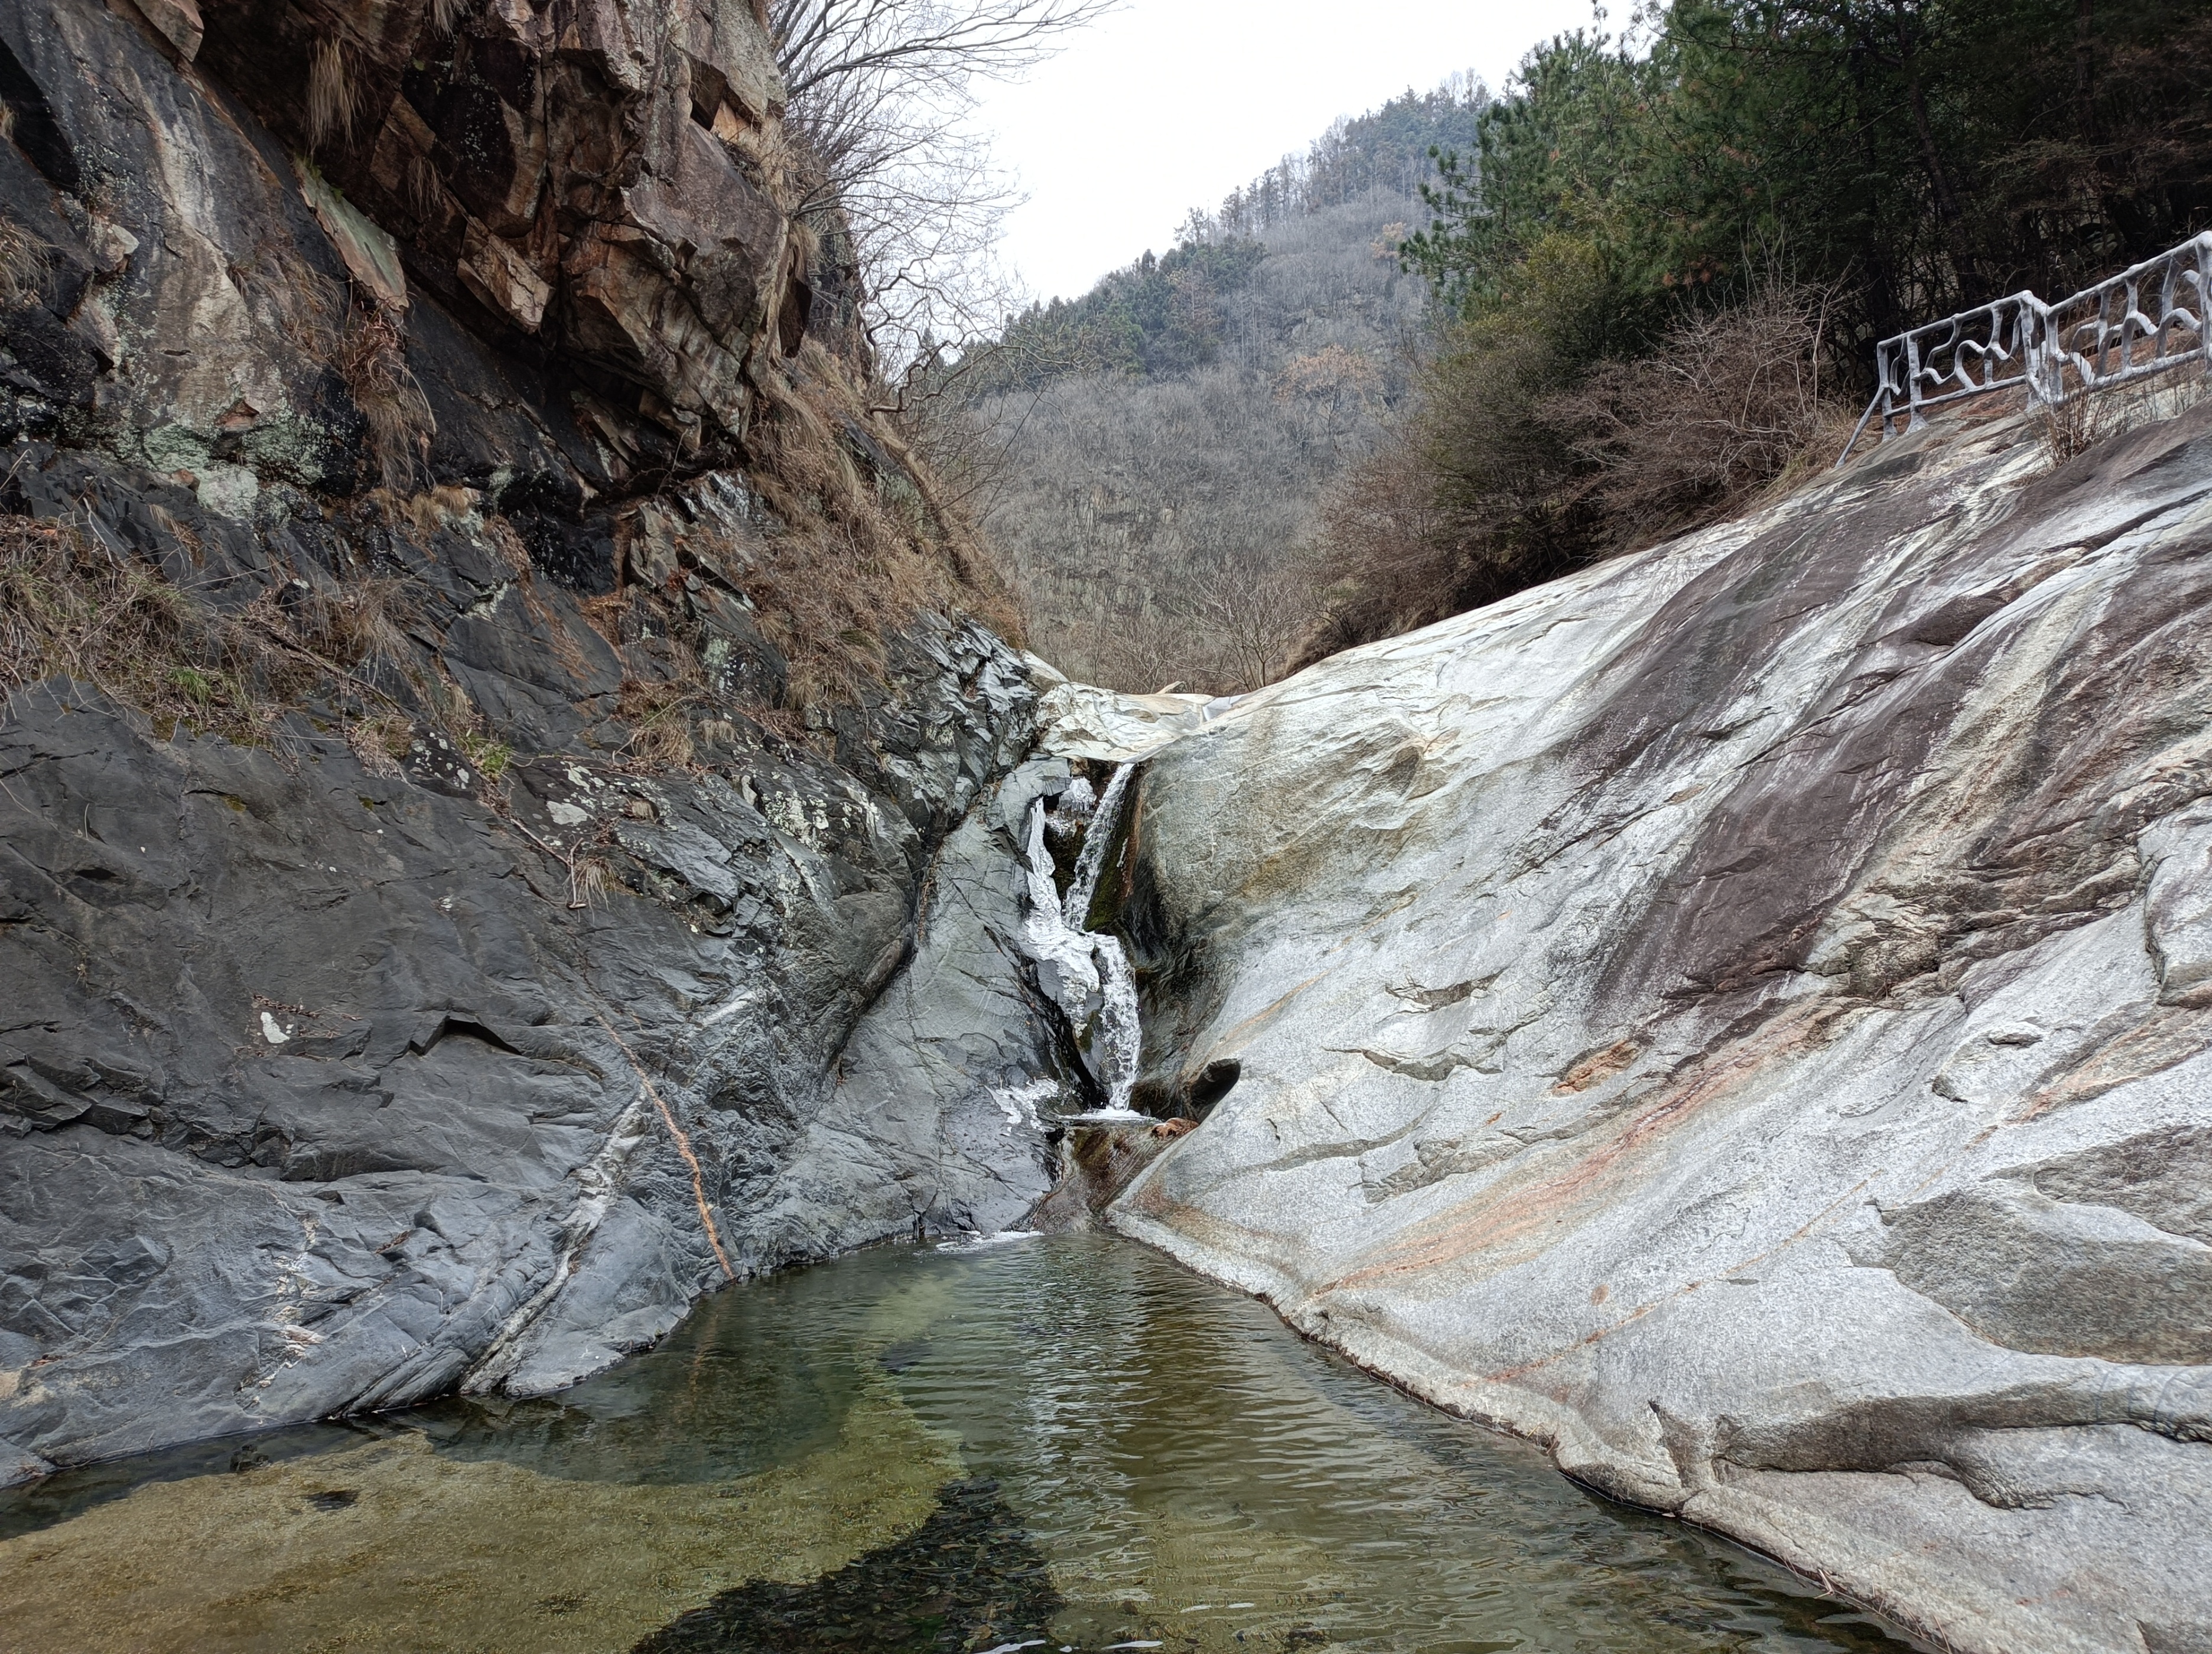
{"x":1092,"y":861}
{"x":1117,"y":1031}
{"x":1085,"y":971}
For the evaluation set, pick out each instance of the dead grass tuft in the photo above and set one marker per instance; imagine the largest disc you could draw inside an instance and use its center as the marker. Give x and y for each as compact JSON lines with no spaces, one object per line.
{"x":372,"y":361}
{"x":604,"y":614}
{"x":333,"y":95}
{"x":308,"y":306}
{"x":22,"y":262}
{"x":380,"y":742}
{"x":659,"y":715}
{"x":590,"y":878}
{"x":444,"y":506}
{"x":2073,"y":427}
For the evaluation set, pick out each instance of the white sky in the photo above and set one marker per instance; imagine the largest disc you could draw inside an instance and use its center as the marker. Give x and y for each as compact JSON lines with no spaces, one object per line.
{"x":1168,"y":104}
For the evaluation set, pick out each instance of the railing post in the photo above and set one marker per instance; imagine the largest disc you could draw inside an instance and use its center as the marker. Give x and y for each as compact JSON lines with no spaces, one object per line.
{"x":2204,"y":298}
{"x":2045,"y":376}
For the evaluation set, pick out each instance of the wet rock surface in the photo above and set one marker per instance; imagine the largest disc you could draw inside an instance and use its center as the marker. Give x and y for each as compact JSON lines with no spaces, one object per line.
{"x":1730,"y":1016}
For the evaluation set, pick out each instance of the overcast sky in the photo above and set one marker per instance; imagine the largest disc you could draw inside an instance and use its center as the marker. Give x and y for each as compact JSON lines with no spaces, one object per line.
{"x":1169,"y":105}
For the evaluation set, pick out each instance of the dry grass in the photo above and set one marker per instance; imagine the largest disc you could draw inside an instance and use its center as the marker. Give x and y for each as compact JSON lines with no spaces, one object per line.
{"x":22,"y":263}
{"x":590,"y":878}
{"x":379,"y":742}
{"x":861,"y":556}
{"x":371,"y":359}
{"x":1816,"y":459}
{"x":307,"y":306}
{"x":70,"y":608}
{"x":660,"y":719}
{"x":445,"y":506}
{"x":333,"y":95}
{"x":2073,"y":427}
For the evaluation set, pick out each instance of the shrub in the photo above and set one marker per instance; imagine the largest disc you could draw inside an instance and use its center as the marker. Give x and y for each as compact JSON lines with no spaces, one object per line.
{"x":1522,"y":463}
{"x":1725,"y":407}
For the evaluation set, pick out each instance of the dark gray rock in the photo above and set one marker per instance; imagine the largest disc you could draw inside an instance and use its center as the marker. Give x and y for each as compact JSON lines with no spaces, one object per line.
{"x":334,"y":1073}
{"x":318,"y":1095}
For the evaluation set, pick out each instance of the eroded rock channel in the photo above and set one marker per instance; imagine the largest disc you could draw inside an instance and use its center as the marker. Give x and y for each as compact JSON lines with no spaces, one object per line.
{"x":555,"y":840}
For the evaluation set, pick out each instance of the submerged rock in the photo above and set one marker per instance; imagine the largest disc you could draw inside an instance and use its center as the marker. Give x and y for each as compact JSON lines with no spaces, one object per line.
{"x":1734,"y":1015}
{"x":967,"y":1575}
{"x":395,"y":1547}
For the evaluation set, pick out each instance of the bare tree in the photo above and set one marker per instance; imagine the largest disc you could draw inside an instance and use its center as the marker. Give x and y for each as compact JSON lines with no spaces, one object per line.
{"x":881,"y":92}
{"x":1254,"y":609}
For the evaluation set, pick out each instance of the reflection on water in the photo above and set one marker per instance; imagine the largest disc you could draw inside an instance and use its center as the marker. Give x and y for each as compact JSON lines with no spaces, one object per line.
{"x":1067,"y":1439}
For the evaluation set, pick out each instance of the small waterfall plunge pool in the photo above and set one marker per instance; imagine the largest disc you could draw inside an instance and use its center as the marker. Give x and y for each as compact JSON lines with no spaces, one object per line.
{"x":1061,"y":1443}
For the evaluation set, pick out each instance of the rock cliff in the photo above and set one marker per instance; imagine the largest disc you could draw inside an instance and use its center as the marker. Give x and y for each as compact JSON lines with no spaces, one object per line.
{"x":466,"y":886}
{"x":1742,"y":1016}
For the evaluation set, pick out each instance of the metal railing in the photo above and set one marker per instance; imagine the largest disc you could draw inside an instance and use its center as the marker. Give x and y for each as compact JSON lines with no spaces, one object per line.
{"x":2145,"y":321}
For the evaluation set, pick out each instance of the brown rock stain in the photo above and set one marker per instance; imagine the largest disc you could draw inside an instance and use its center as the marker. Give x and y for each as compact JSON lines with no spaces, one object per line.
{"x":1489,"y":1223}
{"x":1597,"y":1066}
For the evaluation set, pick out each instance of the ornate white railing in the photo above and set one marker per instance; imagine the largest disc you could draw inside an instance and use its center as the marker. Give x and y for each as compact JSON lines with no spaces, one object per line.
{"x":2145,"y":321}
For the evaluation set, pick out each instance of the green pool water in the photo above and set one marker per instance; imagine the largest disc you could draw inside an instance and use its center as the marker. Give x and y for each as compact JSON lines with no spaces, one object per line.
{"x":1063,"y":1443}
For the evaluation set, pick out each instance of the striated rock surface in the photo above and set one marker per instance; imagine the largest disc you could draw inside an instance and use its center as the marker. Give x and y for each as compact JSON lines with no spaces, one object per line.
{"x":1742,"y":1016}
{"x":319,"y":1094}
{"x":525,"y":956}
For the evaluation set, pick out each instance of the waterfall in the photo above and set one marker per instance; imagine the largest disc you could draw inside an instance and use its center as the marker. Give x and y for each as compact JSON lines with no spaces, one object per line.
{"x":1085,"y":972}
{"x":1092,"y":861}
{"x":1116,"y":1029}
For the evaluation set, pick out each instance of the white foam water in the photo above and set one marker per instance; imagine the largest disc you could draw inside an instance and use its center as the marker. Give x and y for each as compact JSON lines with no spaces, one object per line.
{"x":1096,"y":843}
{"x":1086,"y":972}
{"x":1116,"y":1028}
{"x":985,"y":1242}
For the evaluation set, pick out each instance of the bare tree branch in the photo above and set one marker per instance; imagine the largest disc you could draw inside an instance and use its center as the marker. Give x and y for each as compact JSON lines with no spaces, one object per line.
{"x":881,"y":95}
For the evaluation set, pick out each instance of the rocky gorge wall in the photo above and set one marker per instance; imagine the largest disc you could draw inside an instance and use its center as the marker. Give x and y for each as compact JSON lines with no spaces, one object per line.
{"x":1742,"y":1016}
{"x":443,"y":938}
{"x":1738,"y":1015}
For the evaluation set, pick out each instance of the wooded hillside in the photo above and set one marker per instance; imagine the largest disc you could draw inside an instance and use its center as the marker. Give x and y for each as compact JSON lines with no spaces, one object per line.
{"x":1151,"y":453}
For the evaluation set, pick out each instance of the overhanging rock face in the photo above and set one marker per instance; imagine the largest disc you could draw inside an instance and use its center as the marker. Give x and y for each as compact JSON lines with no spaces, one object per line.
{"x":249,"y":226}
{"x":1740,"y":1016}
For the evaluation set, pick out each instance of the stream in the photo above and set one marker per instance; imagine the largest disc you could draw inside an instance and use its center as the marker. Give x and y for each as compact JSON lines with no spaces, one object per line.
{"x":1065,"y":1442}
